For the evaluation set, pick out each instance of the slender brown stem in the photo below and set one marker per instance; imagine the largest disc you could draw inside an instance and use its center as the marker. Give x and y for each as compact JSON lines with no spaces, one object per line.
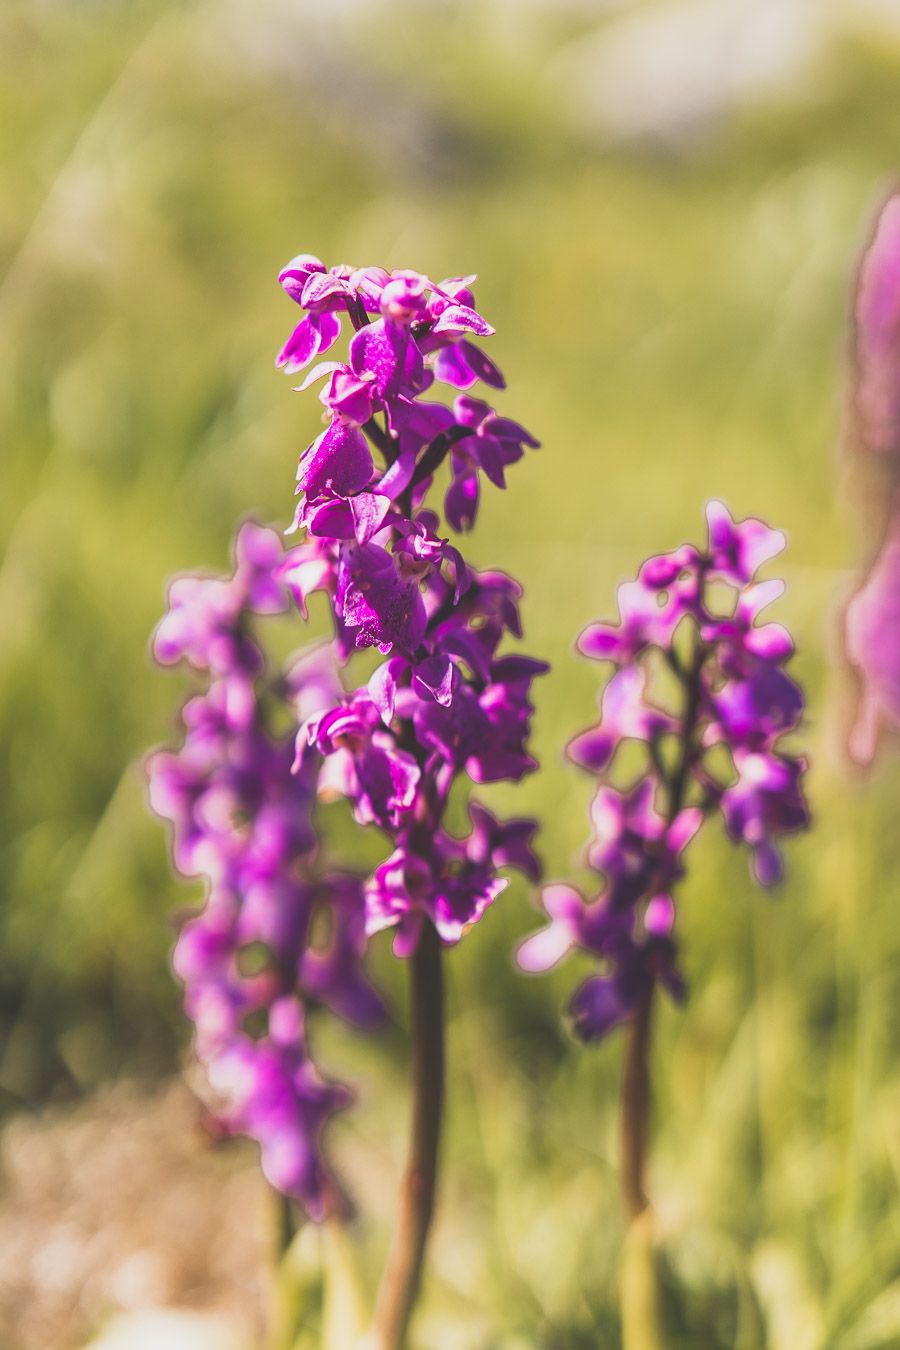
{"x":436,"y":451}
{"x":636,"y":1108}
{"x":402,"y":1274}
{"x":635,"y":1122}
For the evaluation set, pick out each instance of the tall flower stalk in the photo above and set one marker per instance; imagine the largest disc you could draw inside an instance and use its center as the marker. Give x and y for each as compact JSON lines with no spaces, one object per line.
{"x":403,"y":1271}
{"x":689,"y":623}
{"x":445,"y":705}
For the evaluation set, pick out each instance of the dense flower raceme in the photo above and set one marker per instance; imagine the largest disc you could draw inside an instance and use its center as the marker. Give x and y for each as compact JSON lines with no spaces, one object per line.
{"x":242,"y":813}
{"x":734,"y":695}
{"x":444,"y":702}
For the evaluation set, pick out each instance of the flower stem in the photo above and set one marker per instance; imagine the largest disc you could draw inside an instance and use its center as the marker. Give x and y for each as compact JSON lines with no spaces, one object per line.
{"x":400,"y":1282}
{"x":635,"y":1123}
{"x":636,"y":1109}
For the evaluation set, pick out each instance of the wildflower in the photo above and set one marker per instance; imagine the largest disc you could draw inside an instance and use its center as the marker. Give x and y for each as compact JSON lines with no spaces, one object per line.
{"x":242,"y":816}
{"x":445,"y":702}
{"x":736,"y":697}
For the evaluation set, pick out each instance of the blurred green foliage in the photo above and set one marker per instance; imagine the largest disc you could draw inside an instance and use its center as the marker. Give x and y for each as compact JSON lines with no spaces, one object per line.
{"x":672,"y":328}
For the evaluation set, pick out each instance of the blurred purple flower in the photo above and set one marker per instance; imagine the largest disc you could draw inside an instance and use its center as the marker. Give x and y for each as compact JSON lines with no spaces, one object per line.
{"x":873,"y":645}
{"x":734,"y":694}
{"x":241,"y":810}
{"x":445,"y":701}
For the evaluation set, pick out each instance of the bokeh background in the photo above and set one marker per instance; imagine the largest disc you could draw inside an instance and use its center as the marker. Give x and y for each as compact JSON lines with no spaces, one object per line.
{"x":664,"y":203}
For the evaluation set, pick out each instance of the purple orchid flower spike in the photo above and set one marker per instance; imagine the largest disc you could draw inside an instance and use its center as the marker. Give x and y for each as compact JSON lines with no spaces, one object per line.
{"x":445,"y":703}
{"x":242,"y":819}
{"x":734,"y":695}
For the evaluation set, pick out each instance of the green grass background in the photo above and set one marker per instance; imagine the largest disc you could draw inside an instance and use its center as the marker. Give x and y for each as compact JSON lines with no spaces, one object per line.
{"x":673,"y":328}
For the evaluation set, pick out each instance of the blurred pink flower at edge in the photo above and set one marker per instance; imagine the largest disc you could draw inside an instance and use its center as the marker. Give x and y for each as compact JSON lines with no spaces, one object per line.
{"x":872,"y":617}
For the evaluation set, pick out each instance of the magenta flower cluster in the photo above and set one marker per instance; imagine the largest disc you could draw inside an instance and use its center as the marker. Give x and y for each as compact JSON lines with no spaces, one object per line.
{"x":718,"y":749}
{"x":445,"y":703}
{"x":242,"y":812}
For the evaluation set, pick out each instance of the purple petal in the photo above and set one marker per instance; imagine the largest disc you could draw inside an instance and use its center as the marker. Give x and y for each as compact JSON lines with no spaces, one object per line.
{"x":462,"y":901}
{"x":349,"y":396}
{"x":596,"y":1007}
{"x":406,"y":938}
{"x":482,"y":366}
{"x":436,"y":678}
{"x":369,"y":510}
{"x":322,"y":287}
{"x":312,"y":336}
{"x":592,"y":749}
{"x":508,"y":430}
{"x":768,"y":866}
{"x":547,"y":947}
{"x":372,"y":596}
{"x":660,"y":571}
{"x":601,"y":642}
{"x":300,"y":348}
{"x":386,"y":352}
{"x":772,"y":642}
{"x":461,"y":502}
{"x":383,"y":686}
{"x":683,"y":828}
{"x":460,"y":364}
{"x":339,"y":460}
{"x":659,"y":916}
{"x":459,"y":319}
{"x":295,"y":275}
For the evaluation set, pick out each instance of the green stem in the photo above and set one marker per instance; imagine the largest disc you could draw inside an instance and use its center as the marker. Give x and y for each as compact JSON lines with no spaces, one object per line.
{"x":636,"y":1109}
{"x":403,"y":1271}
